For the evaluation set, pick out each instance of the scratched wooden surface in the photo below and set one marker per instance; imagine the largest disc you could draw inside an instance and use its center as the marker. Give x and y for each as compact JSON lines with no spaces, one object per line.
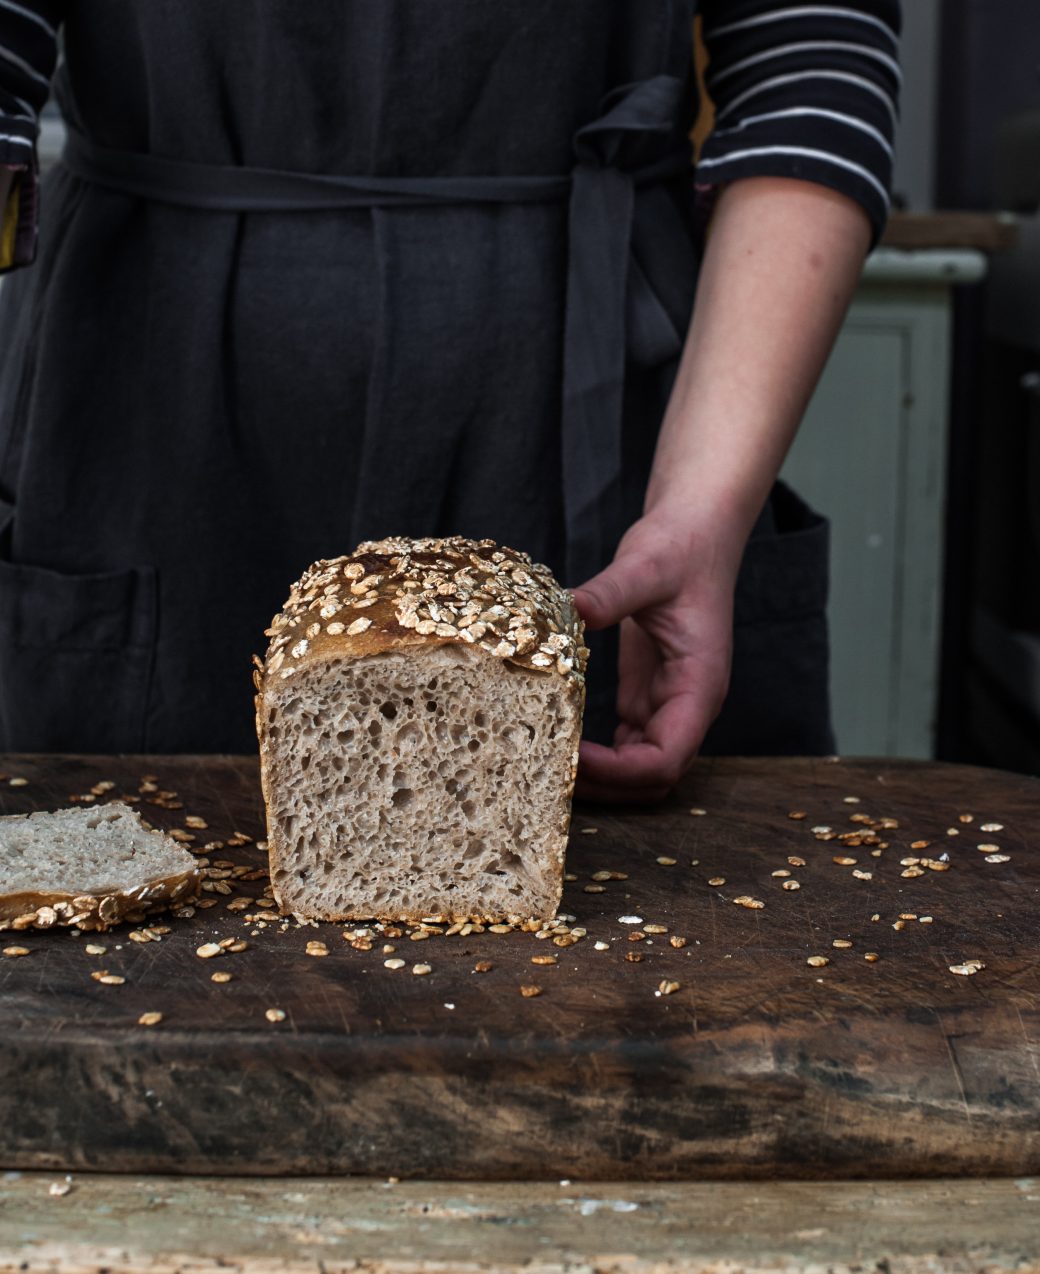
{"x":205,"y":1225}
{"x":759,"y":1065}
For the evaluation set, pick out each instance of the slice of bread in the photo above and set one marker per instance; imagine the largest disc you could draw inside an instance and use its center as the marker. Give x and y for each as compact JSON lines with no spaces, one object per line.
{"x":418,"y":714}
{"x":88,"y":867}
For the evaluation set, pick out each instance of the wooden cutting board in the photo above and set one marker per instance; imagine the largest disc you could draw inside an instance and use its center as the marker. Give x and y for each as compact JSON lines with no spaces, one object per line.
{"x":758,"y":1065}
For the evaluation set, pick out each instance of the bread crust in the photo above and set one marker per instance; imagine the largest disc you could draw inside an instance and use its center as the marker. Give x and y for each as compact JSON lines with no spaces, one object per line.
{"x":31,"y":910}
{"x":399,"y":593}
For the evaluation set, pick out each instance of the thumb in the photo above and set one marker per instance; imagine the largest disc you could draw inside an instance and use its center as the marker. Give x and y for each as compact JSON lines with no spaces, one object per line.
{"x":626,"y":586}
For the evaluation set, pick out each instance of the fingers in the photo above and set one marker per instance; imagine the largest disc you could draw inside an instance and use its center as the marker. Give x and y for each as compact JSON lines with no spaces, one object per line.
{"x":647,"y":764}
{"x":628,"y":585}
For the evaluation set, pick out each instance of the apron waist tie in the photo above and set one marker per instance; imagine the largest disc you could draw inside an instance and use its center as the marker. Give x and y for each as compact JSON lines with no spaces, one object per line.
{"x":601,"y":194}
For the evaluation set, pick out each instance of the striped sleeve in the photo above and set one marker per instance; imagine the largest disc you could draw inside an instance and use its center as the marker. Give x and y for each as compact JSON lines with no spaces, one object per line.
{"x":804,"y":90}
{"x":28,"y":52}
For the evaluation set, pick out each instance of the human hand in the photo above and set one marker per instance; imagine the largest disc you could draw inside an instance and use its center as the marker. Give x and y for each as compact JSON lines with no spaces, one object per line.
{"x":670,"y":587}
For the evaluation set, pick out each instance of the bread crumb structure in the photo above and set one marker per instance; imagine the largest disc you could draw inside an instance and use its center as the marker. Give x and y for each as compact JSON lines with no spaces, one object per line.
{"x":418,"y":713}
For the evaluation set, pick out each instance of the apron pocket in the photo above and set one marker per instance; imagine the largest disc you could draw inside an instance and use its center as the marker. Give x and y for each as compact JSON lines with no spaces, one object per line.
{"x":779,"y":699}
{"x":76,"y":655}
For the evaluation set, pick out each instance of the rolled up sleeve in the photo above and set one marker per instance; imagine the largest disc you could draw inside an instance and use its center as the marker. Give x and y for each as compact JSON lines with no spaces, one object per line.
{"x":28,"y":52}
{"x":804,"y":91}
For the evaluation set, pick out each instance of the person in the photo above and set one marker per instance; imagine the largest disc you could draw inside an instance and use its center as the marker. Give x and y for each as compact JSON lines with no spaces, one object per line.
{"x":309,"y":274}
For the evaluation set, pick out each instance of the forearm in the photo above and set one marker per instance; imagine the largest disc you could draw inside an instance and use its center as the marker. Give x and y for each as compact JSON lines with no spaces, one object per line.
{"x":780,"y":267}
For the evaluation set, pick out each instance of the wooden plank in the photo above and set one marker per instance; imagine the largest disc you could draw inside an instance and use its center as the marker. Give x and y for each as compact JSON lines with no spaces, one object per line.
{"x":155,"y":1225}
{"x":989,"y":232}
{"x":758,"y":1066}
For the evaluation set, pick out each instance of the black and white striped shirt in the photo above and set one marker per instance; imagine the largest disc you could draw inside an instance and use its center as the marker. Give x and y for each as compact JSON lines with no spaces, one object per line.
{"x":804,"y":90}
{"x":800,"y":90}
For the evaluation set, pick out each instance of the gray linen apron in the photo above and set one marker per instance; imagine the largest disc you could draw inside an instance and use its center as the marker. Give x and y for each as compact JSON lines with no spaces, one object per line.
{"x":314,"y":272}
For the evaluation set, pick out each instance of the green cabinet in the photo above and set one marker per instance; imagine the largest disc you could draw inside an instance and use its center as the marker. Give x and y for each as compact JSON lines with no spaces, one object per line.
{"x":871,"y":456}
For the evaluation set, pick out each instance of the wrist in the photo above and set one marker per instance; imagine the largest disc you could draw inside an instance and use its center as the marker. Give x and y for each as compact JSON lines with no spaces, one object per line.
{"x":703,"y":519}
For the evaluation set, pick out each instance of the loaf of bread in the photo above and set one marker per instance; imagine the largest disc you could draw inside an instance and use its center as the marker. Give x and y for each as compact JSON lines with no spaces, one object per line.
{"x":88,"y":867}
{"x":419,"y":712}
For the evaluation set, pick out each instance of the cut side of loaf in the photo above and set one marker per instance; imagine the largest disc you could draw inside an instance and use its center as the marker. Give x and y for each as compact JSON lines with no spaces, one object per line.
{"x":88,"y":867}
{"x":410,"y":771}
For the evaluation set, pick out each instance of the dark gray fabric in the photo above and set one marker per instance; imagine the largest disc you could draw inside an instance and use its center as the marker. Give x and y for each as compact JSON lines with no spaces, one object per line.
{"x":196,"y":404}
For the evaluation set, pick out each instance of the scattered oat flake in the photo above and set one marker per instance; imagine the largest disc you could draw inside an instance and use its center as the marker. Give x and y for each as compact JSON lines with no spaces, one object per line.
{"x":59,"y":1188}
{"x":544,"y":959}
{"x":594,"y":889}
{"x":863,"y":875}
{"x":483,"y":966}
{"x":677,"y":942}
{"x":220,"y":976}
{"x":998,"y":858}
{"x":782,"y":874}
{"x":911,"y":872}
{"x":871,"y":957}
{"x":919,"y":844}
{"x":992,"y":827}
{"x":605,"y":946}
{"x":14,"y":952}
{"x":630,"y":920}
{"x":717,"y":880}
{"x":791,"y":885}
{"x":111,"y":979}
{"x":395,"y":963}
{"x":666,"y":987}
{"x":665,"y":861}
{"x":149,"y":1019}
{"x":752,"y":904}
{"x":528,"y":990}
{"x":818,"y":961}
{"x":317,"y":949}
{"x":842,"y":943}
{"x":193,"y":820}
{"x":797,"y":815}
{"x":844,"y":861}
{"x":92,"y":948}
{"x":851,"y":800}
{"x":968,"y":968}
{"x":987,"y":848}
{"x":925,"y":920}
{"x":421,"y":970}
{"x":275,"y":1015}
{"x":17,"y":782}
{"x":656,"y":928}
{"x":633,"y":957}
{"x":208,"y":950}
{"x":966,"y":818}
{"x":795,"y":861}
{"x":698,"y":813}
{"x":820,"y":830}
{"x":589,"y":831}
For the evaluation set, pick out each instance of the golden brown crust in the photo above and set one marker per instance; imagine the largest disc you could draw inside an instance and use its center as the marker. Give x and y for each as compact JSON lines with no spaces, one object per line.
{"x":393,"y":593}
{"x":30,"y":910}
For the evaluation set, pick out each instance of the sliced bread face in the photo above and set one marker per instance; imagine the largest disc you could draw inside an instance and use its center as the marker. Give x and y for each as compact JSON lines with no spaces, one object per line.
{"x":419,"y":714}
{"x":88,"y":867}
{"x":423,"y":782}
